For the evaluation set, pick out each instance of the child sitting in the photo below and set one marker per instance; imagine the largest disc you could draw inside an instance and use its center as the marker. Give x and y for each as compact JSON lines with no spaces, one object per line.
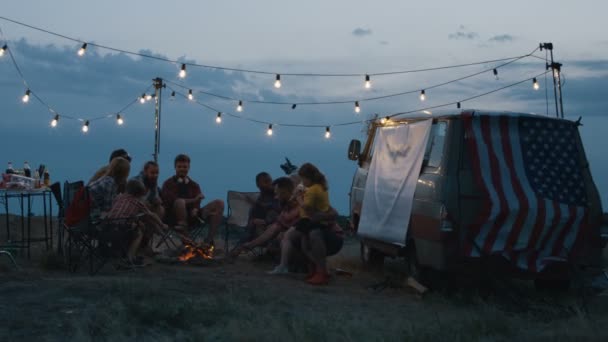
{"x":131,"y":204}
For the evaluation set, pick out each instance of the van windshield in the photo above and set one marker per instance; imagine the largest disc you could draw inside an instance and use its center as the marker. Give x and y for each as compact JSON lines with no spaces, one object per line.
{"x":435,"y":146}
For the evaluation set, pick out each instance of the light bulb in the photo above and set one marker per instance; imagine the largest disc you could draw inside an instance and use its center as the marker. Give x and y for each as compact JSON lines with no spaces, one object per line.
{"x":556,"y":72}
{"x":383,"y":121}
{"x":239,"y":108}
{"x":327,"y":133}
{"x":218,"y":119}
{"x":495,"y":73}
{"x":422,"y":95}
{"x":148,"y":97}
{"x":142,"y":99}
{"x":173,"y":95}
{"x":182,"y":72}
{"x":458,"y":105}
{"x":26,"y":97}
{"x":82,"y":49}
{"x":535,"y":84}
{"x":3,"y":50}
{"x":357,"y":108}
{"x":293,"y":106}
{"x":85,"y":127}
{"x":190,"y":95}
{"x":269,"y":132}
{"x":368,"y":82}
{"x":277,"y":83}
{"x":55,"y":121}
{"x":119,"y":119}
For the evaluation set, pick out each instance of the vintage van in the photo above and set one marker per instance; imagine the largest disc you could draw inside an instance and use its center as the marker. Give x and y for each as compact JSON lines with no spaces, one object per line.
{"x":448,"y":189}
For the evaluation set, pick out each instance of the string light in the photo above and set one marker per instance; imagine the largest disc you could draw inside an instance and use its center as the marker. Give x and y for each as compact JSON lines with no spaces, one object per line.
{"x":55,"y":121}
{"x":3,"y":50}
{"x":142,"y":99}
{"x":495,"y":73}
{"x":190,"y":95}
{"x":218,"y":119}
{"x":556,"y":72}
{"x":368,"y":82}
{"x":327,"y":133}
{"x":293,"y":106}
{"x":357,"y":108}
{"x":119,"y":119}
{"x":239,"y":108}
{"x":173,"y":95}
{"x":535,"y":84}
{"x":383,"y":121}
{"x":82,"y":50}
{"x":422,"y":95}
{"x":277,"y":83}
{"x":458,"y":105}
{"x":269,"y":131}
{"x":182,"y":72}
{"x":148,"y":97}
{"x":26,"y":97}
{"x":85,"y":127}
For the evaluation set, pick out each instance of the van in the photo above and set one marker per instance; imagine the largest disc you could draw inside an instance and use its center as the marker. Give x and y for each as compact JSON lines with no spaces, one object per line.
{"x":511,"y":190}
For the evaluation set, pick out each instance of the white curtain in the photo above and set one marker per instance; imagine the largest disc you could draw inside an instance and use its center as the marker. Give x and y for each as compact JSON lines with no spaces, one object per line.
{"x":391,"y":182}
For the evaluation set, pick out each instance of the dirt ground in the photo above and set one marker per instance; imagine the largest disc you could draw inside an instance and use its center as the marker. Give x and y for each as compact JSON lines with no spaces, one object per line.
{"x":225,"y":301}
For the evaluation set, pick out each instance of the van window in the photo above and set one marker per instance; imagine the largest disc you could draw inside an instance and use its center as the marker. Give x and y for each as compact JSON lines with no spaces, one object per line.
{"x":435,"y":146}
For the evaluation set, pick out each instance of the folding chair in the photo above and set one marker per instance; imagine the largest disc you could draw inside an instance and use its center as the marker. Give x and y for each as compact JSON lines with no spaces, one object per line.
{"x":239,"y":205}
{"x":192,"y":233}
{"x":94,"y":241}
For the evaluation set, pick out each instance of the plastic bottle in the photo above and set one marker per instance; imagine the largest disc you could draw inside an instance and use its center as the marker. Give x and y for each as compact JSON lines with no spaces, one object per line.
{"x":9,"y":169}
{"x":36,"y":179}
{"x":27,"y":170}
{"x":47,"y":178}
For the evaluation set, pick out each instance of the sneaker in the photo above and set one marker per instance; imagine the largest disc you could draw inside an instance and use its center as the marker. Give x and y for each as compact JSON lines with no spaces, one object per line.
{"x":320,"y":278}
{"x":279,"y":270}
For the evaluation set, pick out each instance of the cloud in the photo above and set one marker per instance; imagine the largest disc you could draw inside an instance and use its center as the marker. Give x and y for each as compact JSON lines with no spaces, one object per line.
{"x":361,"y":32}
{"x":463,"y":34}
{"x":383,"y":42}
{"x":502,"y":38}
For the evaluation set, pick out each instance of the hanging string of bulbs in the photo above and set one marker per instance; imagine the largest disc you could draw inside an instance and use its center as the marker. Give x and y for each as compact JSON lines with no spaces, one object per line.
{"x":384,"y":120}
{"x":277,"y":84}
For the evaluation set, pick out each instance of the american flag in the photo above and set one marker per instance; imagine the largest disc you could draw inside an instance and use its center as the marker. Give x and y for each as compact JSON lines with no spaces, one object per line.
{"x":529,"y":170}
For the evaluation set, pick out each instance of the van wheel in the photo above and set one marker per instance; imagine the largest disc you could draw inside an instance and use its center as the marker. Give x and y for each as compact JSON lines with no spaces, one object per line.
{"x":553,"y":285}
{"x":371,"y":257}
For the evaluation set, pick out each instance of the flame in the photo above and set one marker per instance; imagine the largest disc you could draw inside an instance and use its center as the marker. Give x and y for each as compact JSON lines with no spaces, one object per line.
{"x":191,"y":250}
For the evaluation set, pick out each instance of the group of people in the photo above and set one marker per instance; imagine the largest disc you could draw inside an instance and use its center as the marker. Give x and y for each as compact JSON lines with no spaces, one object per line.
{"x":176,"y":204}
{"x":292,"y":212}
{"x":298,"y":217}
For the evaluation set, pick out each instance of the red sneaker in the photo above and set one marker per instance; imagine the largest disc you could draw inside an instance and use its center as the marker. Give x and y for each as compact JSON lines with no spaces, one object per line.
{"x":319,"y":278}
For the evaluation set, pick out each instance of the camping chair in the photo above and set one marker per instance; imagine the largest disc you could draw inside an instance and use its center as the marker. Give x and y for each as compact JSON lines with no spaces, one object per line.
{"x":239,"y":205}
{"x":192,"y":233}
{"x":95,"y":241}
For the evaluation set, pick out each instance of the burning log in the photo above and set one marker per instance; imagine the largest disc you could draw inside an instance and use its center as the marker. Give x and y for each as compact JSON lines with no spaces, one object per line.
{"x":192,"y":250}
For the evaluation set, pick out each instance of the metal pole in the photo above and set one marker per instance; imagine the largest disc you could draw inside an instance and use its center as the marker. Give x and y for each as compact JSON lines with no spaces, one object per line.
{"x":558,"y":67}
{"x":549,"y":46}
{"x":158,"y":85}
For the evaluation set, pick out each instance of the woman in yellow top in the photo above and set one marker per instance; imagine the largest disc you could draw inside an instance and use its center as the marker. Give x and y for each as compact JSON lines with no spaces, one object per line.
{"x":314,"y":213}
{"x":315,"y":199}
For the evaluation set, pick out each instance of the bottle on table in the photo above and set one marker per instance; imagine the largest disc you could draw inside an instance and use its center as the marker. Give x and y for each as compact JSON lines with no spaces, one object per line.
{"x":46,"y":178}
{"x":9,"y":169}
{"x":27,"y":170}
{"x":36,"y":179}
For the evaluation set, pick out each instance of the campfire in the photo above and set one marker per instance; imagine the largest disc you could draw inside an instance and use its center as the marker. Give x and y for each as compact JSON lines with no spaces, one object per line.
{"x":193,"y":250}
{"x":191,"y":253}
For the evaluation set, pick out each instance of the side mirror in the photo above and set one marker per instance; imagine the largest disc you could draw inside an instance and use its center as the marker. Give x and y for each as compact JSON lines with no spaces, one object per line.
{"x":354,"y":149}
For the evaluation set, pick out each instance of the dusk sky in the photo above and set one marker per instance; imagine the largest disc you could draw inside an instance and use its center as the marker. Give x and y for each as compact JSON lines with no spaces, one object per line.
{"x":339,"y":36}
